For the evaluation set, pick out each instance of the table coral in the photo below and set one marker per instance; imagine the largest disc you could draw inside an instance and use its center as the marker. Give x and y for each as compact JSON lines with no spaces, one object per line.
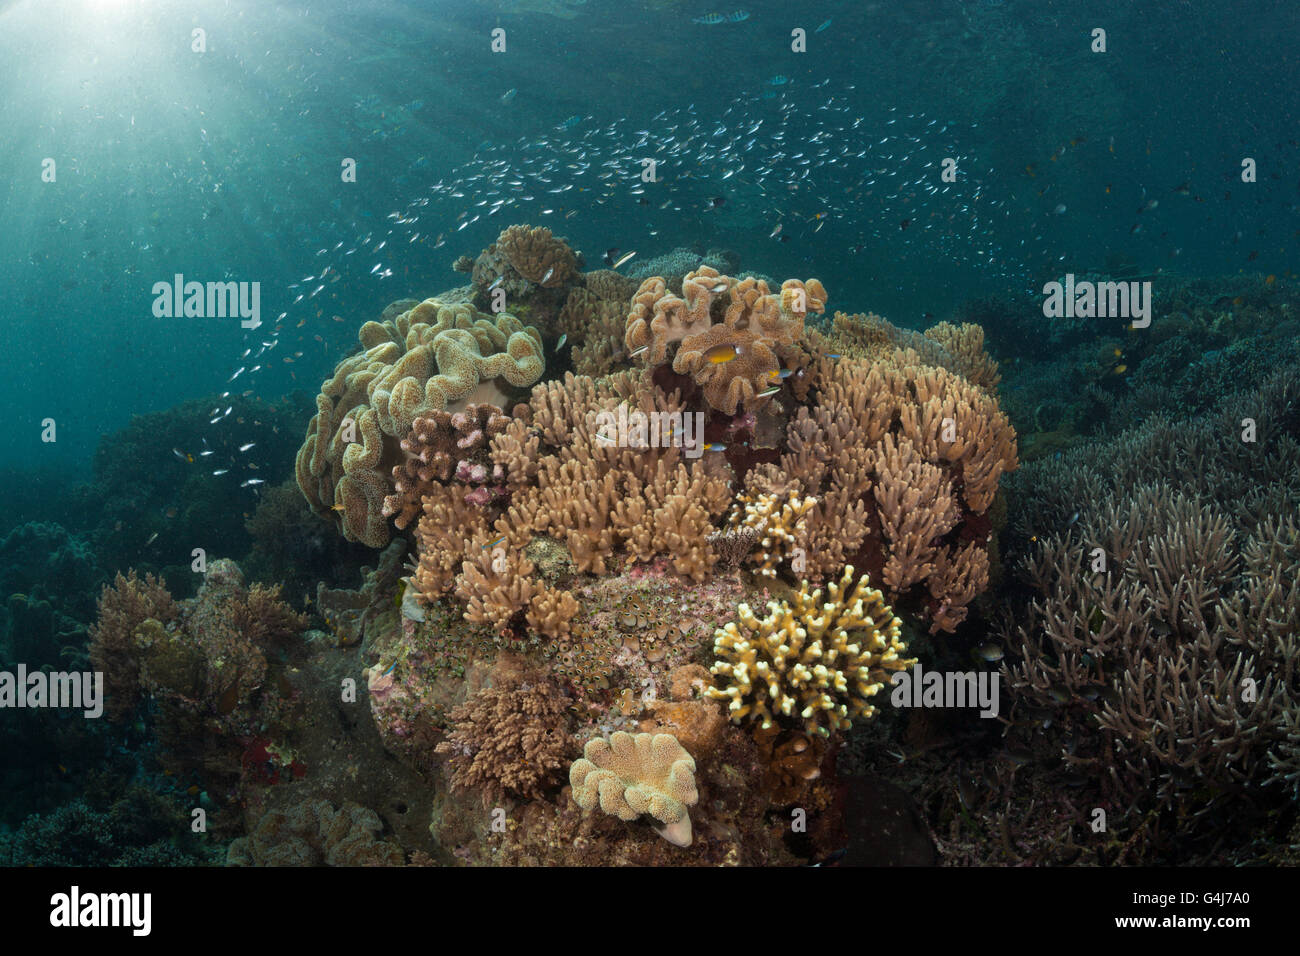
{"x":632,"y":774}
{"x":424,"y":361}
{"x":814,"y":662}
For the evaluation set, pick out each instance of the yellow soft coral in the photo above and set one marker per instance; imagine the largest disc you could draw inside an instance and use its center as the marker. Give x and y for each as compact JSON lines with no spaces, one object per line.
{"x":632,"y":774}
{"x":809,"y":661}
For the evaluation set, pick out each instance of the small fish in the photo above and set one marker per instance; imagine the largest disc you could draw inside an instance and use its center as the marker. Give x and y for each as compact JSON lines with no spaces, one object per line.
{"x":560,"y":344}
{"x":990,"y":653}
{"x":221,"y":471}
{"x":508,"y":96}
{"x":721,"y":353}
{"x":549,"y":272}
{"x":710,"y":19}
{"x":768,"y":392}
{"x":183,"y":456}
{"x":643,"y":348}
{"x":738,"y":16}
{"x":782,"y":373}
{"x":717,"y":201}
{"x":1060,"y":209}
{"x":623,"y":259}
{"x":496,"y":282}
{"x":775,"y":232}
{"x":824,"y":25}
{"x":236,"y":375}
{"x":834,"y":355}
{"x":252,"y":481}
{"x":496,"y":544}
{"x":1119,"y":369}
{"x":247,"y":446}
{"x":779,"y":80}
{"x":1073,"y":518}
{"x":715,"y":446}
{"x":152,"y":538}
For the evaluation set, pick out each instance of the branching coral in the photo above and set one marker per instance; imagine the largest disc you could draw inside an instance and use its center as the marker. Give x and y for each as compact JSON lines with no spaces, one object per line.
{"x":904,"y":461}
{"x":123,"y":608}
{"x":412,"y":366}
{"x":442,"y":445}
{"x":965,"y":343}
{"x":632,"y":774}
{"x":509,"y":740}
{"x":776,"y":525}
{"x":810,"y":662}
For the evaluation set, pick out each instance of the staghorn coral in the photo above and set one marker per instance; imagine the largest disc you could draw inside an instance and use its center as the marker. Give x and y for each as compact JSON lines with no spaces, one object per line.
{"x":632,"y":774}
{"x":816,"y":665}
{"x":509,"y":740}
{"x":735,"y":354}
{"x":419,"y":363}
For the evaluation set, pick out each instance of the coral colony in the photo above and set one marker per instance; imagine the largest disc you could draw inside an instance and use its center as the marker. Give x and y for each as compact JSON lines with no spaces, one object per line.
{"x":558,"y":636}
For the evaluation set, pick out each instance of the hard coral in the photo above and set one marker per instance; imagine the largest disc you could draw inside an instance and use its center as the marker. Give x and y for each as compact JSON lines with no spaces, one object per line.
{"x":818,"y":663}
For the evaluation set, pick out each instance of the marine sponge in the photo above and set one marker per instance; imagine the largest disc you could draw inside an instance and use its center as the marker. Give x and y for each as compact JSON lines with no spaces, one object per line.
{"x":819,"y":663}
{"x":632,"y":774}
{"x":412,"y":366}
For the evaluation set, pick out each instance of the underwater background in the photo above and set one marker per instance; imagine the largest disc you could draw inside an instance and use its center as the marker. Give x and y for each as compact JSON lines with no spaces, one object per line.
{"x":416,"y":538}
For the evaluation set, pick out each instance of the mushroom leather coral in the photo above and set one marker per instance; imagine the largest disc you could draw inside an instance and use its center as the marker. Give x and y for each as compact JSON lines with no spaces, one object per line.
{"x":735,"y":354}
{"x":632,"y":774}
{"x":414,"y":365}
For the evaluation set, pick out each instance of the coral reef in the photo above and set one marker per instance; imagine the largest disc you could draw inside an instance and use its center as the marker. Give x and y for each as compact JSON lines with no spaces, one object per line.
{"x":634,"y":774}
{"x":810,"y":664}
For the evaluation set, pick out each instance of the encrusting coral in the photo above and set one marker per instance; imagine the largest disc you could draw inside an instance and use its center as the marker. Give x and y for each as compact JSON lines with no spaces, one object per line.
{"x":810,"y":664}
{"x":632,"y":774}
{"x":424,"y":361}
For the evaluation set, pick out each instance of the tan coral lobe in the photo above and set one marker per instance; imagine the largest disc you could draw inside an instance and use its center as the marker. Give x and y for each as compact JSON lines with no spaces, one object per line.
{"x":632,"y":774}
